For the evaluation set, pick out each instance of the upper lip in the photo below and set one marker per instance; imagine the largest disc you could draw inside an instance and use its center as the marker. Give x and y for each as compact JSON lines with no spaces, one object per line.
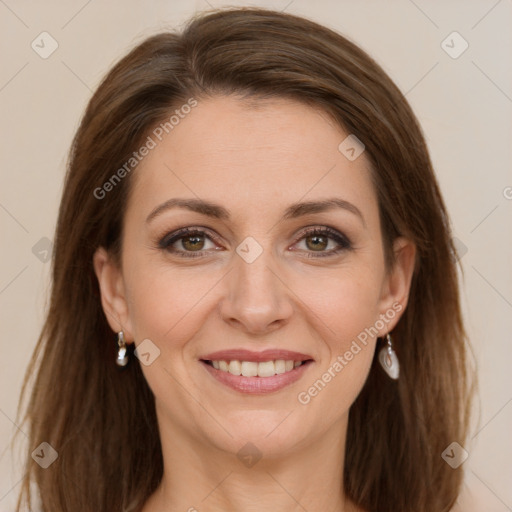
{"x":247,"y":355}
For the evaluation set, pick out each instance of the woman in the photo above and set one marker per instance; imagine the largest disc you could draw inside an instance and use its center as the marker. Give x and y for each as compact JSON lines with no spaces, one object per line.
{"x":252,"y":230}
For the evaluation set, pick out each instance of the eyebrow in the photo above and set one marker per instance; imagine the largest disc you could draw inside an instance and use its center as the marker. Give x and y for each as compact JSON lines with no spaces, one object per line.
{"x":293,"y":211}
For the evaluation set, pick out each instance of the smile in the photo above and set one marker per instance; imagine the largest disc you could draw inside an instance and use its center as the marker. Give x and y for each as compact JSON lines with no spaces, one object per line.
{"x":256,"y":372}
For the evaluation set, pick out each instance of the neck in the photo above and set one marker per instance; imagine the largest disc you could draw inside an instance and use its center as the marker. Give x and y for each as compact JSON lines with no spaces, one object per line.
{"x":199,"y":477}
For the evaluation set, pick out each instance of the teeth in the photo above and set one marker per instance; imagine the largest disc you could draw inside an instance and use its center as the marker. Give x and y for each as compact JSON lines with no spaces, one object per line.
{"x":235,"y":367}
{"x":280,"y":366}
{"x":254,"y":369}
{"x":249,"y":369}
{"x":266,"y":369}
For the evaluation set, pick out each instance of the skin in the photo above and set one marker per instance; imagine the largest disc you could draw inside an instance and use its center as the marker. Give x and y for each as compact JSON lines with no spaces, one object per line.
{"x":254,"y":160}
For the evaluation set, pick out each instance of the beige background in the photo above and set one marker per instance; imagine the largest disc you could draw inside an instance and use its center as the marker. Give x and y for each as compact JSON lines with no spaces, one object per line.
{"x":464,"y":105}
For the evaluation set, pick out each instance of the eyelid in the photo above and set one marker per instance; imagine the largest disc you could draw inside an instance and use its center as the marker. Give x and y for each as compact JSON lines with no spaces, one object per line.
{"x":324,"y":230}
{"x":176,"y":235}
{"x":344,"y":243}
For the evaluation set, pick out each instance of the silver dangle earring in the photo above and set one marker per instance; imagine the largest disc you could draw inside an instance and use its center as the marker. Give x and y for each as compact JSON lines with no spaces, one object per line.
{"x":122,"y":357}
{"x":388,"y":359}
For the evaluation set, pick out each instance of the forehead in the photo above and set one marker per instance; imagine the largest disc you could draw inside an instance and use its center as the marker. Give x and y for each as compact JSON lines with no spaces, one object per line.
{"x":251,"y":154}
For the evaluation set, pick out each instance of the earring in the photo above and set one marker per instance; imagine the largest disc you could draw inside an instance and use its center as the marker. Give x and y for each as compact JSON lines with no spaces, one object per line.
{"x":388,"y":359}
{"x":122,"y":357}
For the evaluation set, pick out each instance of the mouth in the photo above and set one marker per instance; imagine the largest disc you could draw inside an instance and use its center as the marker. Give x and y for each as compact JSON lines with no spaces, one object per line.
{"x":256,"y":372}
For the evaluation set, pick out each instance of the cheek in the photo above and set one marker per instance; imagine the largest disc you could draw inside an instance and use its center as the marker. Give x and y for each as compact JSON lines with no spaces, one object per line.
{"x":345,"y":304}
{"x":166,"y":305}
{"x":346,"y":311}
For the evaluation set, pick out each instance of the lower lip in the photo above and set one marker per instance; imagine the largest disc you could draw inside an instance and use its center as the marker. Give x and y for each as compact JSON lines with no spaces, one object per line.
{"x":257,"y":385}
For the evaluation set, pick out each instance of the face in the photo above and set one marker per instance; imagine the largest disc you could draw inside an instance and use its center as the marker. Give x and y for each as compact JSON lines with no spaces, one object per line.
{"x":281,"y":272}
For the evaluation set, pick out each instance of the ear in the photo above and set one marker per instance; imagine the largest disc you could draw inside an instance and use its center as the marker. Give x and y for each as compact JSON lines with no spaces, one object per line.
{"x":397,"y":284}
{"x":112,"y":290}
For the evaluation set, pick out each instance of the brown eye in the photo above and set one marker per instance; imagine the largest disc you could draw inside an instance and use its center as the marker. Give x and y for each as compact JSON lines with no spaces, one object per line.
{"x":324,"y":242}
{"x":317,"y":242}
{"x":192,"y":242}
{"x":187,"y":243}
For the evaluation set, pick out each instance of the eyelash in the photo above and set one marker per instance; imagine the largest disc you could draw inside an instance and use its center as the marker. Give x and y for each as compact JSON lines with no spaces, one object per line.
{"x":167,"y":241}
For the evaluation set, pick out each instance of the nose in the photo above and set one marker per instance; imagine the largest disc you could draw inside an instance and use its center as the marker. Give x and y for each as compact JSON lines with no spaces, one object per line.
{"x":257,"y":298}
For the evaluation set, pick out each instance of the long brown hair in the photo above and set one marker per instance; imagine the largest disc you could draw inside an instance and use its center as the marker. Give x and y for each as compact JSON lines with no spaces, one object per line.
{"x":101,"y":420}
